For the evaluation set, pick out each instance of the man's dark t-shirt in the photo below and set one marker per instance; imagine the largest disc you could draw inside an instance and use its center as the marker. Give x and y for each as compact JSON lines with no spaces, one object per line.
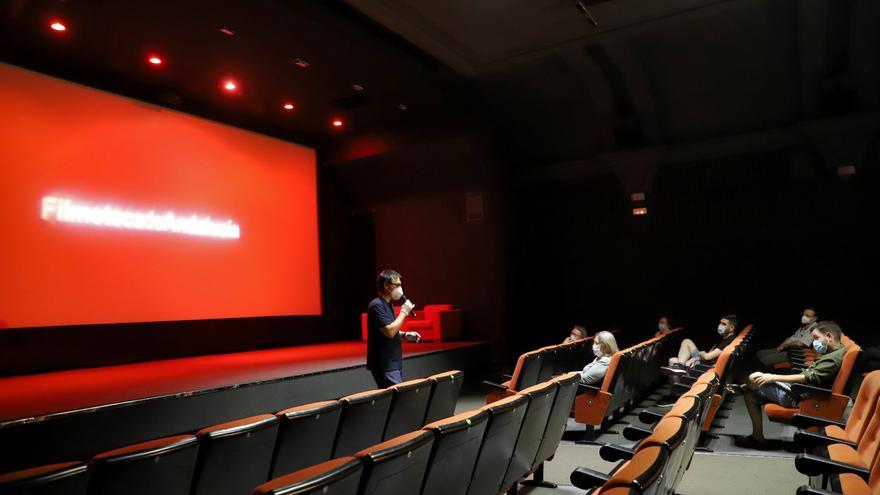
{"x":726,"y":341}
{"x":383,"y":354}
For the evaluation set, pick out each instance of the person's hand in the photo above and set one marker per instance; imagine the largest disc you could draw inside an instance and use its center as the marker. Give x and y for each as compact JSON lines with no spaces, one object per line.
{"x":407,"y":307}
{"x":412,"y":336}
{"x":690,"y":362}
{"x":703,"y":355}
{"x":763,"y":379}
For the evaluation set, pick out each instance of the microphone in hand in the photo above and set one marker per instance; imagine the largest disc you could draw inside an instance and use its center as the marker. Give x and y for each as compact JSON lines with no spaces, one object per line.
{"x":412,"y":312}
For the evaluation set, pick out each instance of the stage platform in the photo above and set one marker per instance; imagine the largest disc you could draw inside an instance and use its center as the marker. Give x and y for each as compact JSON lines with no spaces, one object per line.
{"x":69,"y":415}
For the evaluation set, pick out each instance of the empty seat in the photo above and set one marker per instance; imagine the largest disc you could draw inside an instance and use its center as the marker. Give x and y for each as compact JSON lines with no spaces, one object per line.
{"x":525,"y":374}
{"x":640,"y":475}
{"x":541,"y":398}
{"x":502,"y":430}
{"x":163,"y":466}
{"x":551,"y":362}
{"x":362,"y":421}
{"x":556,"y":423}
{"x":408,"y":407}
{"x":235,"y":457}
{"x":305,"y":436}
{"x":337,"y":477}
{"x":831,"y":431}
{"x":396,"y":466}
{"x":457,"y":442}
{"x":66,"y":478}
{"x":444,"y":395}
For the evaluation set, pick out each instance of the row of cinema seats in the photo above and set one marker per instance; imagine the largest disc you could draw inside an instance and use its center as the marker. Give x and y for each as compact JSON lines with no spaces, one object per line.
{"x":842,"y":457}
{"x":663,"y":452}
{"x":480,"y":452}
{"x":632,"y":374}
{"x":232,"y":458}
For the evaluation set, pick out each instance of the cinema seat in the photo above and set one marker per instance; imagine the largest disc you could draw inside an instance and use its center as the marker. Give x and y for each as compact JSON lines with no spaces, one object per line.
{"x":525,"y":374}
{"x":163,"y":466}
{"x":409,"y":405}
{"x":66,"y":478}
{"x":551,"y":362}
{"x":444,"y":395}
{"x":362,"y":421}
{"x":235,"y":457}
{"x":337,"y":477}
{"x":829,"y":431}
{"x":457,"y":442}
{"x":556,"y":422}
{"x":396,"y":466}
{"x":639,"y":475}
{"x":305,"y":436}
{"x":827,"y":403}
{"x":502,"y":430}
{"x":541,"y":398}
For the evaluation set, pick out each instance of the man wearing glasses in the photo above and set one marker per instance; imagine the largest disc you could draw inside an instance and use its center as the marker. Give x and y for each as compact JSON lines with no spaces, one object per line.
{"x":384,"y":330}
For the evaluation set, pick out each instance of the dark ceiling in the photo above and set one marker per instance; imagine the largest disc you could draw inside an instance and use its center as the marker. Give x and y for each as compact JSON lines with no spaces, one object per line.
{"x":107,"y":43}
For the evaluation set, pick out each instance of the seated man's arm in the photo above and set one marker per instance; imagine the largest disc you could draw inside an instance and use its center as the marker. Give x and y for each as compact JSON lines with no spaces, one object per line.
{"x":791,"y":343}
{"x":710,"y":355}
{"x":790,"y":378}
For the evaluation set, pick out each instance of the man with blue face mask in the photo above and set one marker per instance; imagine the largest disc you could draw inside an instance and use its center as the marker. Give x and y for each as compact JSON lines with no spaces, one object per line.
{"x":763,"y":388}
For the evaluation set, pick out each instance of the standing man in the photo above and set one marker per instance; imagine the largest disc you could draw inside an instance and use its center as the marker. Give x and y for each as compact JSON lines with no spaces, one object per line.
{"x":384,"y":330}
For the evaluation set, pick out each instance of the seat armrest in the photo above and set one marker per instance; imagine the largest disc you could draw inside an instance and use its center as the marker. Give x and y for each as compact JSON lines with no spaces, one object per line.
{"x":506,"y":377}
{"x":651,"y":416}
{"x":614,"y":453}
{"x":635,"y":433}
{"x":797,"y":369}
{"x":702,"y":368}
{"x":681,"y":388}
{"x":809,"y":440}
{"x":806,"y":421}
{"x":813,"y":465}
{"x":809,"y":490}
{"x":495,"y":386}
{"x":586,"y":478}
{"x":803,"y":390}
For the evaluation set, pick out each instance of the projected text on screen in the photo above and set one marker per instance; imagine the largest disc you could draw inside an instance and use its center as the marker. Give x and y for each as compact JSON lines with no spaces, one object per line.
{"x":67,"y":210}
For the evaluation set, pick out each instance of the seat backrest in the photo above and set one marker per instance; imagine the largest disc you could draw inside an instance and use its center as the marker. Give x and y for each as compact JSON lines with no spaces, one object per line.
{"x":863,"y":407}
{"x":505,"y":421}
{"x":235,"y":457}
{"x":408,"y":407}
{"x":362,"y":421}
{"x":541,"y":397}
{"x":558,"y":419}
{"x":444,"y":395}
{"x":66,"y":478}
{"x":305,"y":436}
{"x":550,"y":362}
{"x":396,"y":466}
{"x":163,"y":466}
{"x":643,"y":472}
{"x":846,"y":367}
{"x":527,"y":370}
{"x":340,"y":476}
{"x":869,"y":444}
{"x":457,"y":442}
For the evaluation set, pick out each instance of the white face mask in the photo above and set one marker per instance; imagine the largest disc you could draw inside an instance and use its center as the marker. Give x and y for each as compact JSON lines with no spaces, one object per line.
{"x":597,"y":351}
{"x":722,"y":328}
{"x":806,"y":320}
{"x":397,"y":293}
{"x":662,"y":327}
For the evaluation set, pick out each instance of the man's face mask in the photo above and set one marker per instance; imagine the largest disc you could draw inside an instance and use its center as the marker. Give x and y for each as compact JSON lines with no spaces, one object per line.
{"x":397,"y":293}
{"x":662,"y":327}
{"x":806,"y":320}
{"x":722,"y":328}
{"x":820,"y":346}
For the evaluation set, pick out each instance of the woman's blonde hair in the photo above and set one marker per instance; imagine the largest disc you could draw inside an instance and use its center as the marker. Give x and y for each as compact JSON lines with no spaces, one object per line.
{"x":607,"y":343}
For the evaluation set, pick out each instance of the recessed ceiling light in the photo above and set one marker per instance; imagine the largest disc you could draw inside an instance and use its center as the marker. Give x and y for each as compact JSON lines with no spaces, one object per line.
{"x":337,"y":123}
{"x":154,"y":60}
{"x":302,"y":64}
{"x":228,"y":31}
{"x":288,"y":106}
{"x":402,"y":106}
{"x":357,"y":87}
{"x":230,"y":86}
{"x":58,"y":26}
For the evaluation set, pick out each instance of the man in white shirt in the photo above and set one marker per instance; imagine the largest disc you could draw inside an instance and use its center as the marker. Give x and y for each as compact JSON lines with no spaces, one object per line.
{"x":801,"y":339}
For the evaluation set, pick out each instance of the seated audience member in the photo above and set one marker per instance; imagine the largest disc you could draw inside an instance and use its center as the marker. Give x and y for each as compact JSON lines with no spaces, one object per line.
{"x":765,"y":387}
{"x":689,"y":354}
{"x":801,"y":339}
{"x":604,"y":346}
{"x":577,"y":333}
{"x":663,"y":326}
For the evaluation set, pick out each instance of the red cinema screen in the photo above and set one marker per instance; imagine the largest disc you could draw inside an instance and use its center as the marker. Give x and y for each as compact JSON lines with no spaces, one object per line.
{"x":114,"y":210}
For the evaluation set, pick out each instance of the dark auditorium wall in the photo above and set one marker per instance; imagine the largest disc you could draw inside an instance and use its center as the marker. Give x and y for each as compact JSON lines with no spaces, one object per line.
{"x":761,"y":234}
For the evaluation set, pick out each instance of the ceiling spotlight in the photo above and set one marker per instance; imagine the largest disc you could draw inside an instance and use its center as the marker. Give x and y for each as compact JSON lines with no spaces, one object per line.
{"x":230,"y":86}
{"x":288,"y":106}
{"x":228,"y":31}
{"x":302,"y":64}
{"x":58,"y":26}
{"x":337,"y":123}
{"x":154,"y":60}
{"x":358,"y":87}
{"x":402,"y":106}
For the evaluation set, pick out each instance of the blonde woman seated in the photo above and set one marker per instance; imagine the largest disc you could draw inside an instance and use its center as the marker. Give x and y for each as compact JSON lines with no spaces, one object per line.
{"x":604,"y":346}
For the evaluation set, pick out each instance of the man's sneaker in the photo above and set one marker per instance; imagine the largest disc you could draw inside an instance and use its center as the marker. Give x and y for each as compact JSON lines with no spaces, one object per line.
{"x":735,"y":388}
{"x":673,"y":371}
